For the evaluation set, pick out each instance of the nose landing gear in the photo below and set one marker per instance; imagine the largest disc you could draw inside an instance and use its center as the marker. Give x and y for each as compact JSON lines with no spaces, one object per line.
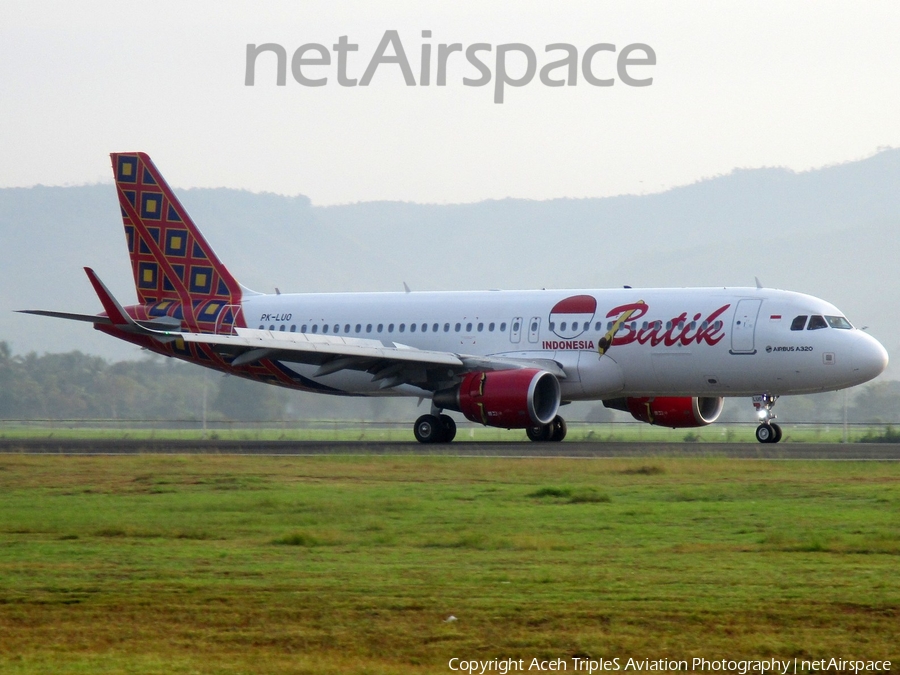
{"x":767,"y":431}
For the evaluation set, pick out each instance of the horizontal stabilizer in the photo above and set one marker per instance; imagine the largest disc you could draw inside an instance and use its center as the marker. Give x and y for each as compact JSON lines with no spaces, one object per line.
{"x":89,"y":318}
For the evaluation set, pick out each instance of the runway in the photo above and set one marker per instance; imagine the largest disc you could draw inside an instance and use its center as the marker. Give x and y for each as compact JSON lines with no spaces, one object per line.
{"x":781,"y":451}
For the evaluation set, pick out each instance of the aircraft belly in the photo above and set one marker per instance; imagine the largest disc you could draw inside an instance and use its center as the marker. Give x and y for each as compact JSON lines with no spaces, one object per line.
{"x":675,"y":371}
{"x":600,"y":377}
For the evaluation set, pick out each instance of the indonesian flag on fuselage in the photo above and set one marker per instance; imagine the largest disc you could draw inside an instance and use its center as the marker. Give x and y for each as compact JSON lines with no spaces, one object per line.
{"x":570,"y":317}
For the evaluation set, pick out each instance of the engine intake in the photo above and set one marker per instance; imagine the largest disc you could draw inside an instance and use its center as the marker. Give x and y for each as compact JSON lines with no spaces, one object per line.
{"x":512,"y":399}
{"x":677,"y":412}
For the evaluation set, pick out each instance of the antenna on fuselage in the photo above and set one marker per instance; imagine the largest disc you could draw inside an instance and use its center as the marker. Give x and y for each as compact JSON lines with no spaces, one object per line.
{"x":758,"y":285}
{"x":406,"y":288}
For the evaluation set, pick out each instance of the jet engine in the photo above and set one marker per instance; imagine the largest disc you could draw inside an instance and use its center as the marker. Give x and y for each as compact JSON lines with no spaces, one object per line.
{"x":512,"y":399}
{"x":671,"y":411}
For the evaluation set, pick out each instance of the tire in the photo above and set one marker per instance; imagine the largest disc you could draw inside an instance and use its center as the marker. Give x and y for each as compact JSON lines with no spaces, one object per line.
{"x":765,"y":433}
{"x":428,"y":429}
{"x":539,"y":432}
{"x":558,"y":429}
{"x":448,"y":427}
{"x":777,"y":430}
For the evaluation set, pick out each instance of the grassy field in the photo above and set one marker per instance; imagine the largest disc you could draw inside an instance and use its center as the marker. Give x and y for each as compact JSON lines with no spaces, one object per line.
{"x":212,"y":564}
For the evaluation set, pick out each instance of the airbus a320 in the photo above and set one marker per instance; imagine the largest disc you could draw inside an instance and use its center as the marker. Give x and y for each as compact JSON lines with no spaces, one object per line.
{"x":506,"y":359}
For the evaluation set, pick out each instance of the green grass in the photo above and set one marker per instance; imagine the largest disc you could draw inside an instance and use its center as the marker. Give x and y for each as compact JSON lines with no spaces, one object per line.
{"x":212,"y":564}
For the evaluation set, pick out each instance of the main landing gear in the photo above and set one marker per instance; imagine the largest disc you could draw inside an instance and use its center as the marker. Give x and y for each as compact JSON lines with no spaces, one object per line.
{"x":767,"y":431}
{"x":435,"y":429}
{"x":438,"y":428}
{"x":555,"y":431}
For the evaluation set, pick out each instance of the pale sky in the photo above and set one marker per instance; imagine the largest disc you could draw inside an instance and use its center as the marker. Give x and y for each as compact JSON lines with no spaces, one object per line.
{"x":736,"y":84}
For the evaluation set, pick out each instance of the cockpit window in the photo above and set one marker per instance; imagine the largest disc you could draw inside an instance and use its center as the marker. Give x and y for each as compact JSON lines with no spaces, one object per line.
{"x":799,"y":322}
{"x":838,"y":322}
{"x":816,"y":322}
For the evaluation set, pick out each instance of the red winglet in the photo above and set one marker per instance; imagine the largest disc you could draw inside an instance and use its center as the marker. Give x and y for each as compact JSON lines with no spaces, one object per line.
{"x":113,"y":309}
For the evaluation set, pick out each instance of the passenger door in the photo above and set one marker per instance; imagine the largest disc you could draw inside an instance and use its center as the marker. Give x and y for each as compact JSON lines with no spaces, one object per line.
{"x":743,"y":327}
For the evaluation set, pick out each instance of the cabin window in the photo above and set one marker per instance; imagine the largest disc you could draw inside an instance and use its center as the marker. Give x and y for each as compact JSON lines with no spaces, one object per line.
{"x":562,"y":326}
{"x":281,"y":328}
{"x":516,"y":327}
{"x":468,"y":327}
{"x":358,"y":327}
{"x":552,"y":325}
{"x":347,"y":328}
{"x":337,"y":328}
{"x":315,"y":328}
{"x":491,"y":327}
{"x":390,"y":328}
{"x":799,"y":322}
{"x":293,"y":329}
{"x":434,"y":328}
{"x":503,"y":327}
{"x":262,"y":327}
{"x":368,"y":328}
{"x":412,"y":327}
{"x":272,"y":327}
{"x":446,"y":327}
{"x":480,"y":327}
{"x":325,"y":328}
{"x":380,"y":327}
{"x":303,"y":328}
{"x":838,"y":322}
{"x":457,"y":327}
{"x":816,"y":322}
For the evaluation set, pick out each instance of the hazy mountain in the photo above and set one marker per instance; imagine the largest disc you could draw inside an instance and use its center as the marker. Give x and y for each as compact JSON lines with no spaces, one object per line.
{"x":828,"y":232}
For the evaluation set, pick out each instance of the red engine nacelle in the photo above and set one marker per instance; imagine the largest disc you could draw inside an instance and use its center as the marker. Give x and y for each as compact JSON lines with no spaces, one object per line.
{"x":512,"y":399}
{"x":676,"y":411}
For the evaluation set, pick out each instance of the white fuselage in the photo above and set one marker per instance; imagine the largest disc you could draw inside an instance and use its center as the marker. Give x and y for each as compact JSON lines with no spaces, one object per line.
{"x":688,"y":342}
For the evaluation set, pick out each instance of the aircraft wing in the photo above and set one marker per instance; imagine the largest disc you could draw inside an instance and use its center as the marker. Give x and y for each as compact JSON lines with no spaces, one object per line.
{"x":391,"y":363}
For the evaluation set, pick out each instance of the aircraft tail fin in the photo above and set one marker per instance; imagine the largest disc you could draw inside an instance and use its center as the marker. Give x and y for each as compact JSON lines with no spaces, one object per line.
{"x":169,"y":256}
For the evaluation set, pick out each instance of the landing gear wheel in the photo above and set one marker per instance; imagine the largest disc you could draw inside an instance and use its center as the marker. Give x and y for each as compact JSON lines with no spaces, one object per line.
{"x":777,"y":430}
{"x":448,"y":427}
{"x":558,"y":429}
{"x":428,"y":429}
{"x":766,"y":433}
{"x":539,"y":432}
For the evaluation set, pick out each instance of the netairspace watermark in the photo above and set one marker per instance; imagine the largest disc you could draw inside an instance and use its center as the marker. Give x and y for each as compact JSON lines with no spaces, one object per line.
{"x":312,"y":65}
{"x":740,"y":666}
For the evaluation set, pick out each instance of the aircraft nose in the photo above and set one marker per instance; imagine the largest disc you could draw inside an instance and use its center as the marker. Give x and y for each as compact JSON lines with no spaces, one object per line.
{"x":868,"y":358}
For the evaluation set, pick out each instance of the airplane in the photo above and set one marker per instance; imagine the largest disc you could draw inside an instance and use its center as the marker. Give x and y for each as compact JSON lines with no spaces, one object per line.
{"x":507,"y":359}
